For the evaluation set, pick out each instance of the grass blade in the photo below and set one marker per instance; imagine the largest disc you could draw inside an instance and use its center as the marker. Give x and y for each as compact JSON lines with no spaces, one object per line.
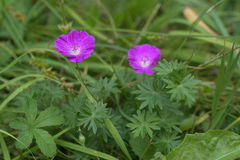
{"x":84,"y":150}
{"x":55,"y":12}
{"x":17,"y":91}
{"x":83,"y":23}
{"x":6,"y":155}
{"x":13,"y":29}
{"x":19,"y":78}
{"x":117,"y":137}
{"x":10,"y":135}
{"x":225,"y":74}
{"x":13,"y":63}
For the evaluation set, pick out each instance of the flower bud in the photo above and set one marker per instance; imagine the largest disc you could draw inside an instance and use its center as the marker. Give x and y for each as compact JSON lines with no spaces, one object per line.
{"x":81,"y":139}
{"x":65,"y":27}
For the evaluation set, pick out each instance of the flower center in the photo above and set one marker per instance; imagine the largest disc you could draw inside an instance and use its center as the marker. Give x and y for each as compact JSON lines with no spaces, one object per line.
{"x":145,"y":61}
{"x":75,"y":50}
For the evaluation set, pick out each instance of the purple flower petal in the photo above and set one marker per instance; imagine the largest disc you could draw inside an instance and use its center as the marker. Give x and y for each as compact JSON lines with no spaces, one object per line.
{"x":76,"y":45}
{"x":143,"y":57}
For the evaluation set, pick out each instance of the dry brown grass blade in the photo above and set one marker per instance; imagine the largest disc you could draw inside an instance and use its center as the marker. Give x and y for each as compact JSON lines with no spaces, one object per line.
{"x":192,"y":16}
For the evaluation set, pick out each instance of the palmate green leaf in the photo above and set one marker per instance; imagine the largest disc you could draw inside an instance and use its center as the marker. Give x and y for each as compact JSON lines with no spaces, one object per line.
{"x":92,"y":116}
{"x":25,"y":137}
{"x":180,"y":84}
{"x":49,"y":117}
{"x":164,"y":68}
{"x":169,"y":119}
{"x":152,"y":93}
{"x":185,"y":90}
{"x":46,"y":93}
{"x":30,"y":109}
{"x":72,"y":109}
{"x":103,"y":88}
{"x":52,"y":92}
{"x":212,"y":145}
{"x":45,"y":142}
{"x":30,"y":127}
{"x":19,"y":123}
{"x":166,"y":141}
{"x":144,"y":124}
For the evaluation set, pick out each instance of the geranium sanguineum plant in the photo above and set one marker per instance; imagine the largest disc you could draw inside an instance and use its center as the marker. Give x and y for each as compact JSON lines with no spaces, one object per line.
{"x":77,"y":45}
{"x":143,"y":57}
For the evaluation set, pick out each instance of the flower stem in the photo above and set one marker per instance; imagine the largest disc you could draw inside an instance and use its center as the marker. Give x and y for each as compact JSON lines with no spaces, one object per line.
{"x":111,"y":128}
{"x":86,"y":90}
{"x":146,"y":149}
{"x":63,"y":12}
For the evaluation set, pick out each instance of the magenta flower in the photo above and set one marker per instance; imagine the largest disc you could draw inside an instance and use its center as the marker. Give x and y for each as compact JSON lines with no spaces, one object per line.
{"x":77,"y":46}
{"x":143,"y":57}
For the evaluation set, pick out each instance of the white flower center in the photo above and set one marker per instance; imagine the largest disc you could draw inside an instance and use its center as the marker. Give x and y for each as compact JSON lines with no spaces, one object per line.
{"x":75,"y":50}
{"x":145,"y":62}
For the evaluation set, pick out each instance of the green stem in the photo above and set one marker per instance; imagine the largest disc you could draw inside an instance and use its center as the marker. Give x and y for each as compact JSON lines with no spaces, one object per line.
{"x":63,"y":12}
{"x":145,"y":150}
{"x":56,"y":136}
{"x":86,"y":90}
{"x":232,"y":124}
{"x":108,"y":123}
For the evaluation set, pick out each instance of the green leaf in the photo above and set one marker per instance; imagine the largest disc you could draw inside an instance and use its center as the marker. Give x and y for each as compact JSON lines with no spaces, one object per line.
{"x":213,"y":145}
{"x":26,"y":138}
{"x":30,"y":109}
{"x":164,"y":68}
{"x":118,"y":139}
{"x":92,"y":116}
{"x":152,"y":93}
{"x":19,"y":123}
{"x":45,"y":142}
{"x":72,"y":109}
{"x":181,"y":85}
{"x":144,"y":123}
{"x":140,"y":145}
{"x":166,"y":141}
{"x":49,"y":117}
{"x":103,"y":88}
{"x":185,"y":90}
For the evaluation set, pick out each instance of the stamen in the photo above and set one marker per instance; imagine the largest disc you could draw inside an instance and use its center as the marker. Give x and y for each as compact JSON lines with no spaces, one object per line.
{"x":75,"y":50}
{"x":145,"y":61}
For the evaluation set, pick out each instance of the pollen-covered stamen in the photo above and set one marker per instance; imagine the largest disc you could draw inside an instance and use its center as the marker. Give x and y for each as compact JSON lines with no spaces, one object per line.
{"x":75,"y":50}
{"x":145,"y":61}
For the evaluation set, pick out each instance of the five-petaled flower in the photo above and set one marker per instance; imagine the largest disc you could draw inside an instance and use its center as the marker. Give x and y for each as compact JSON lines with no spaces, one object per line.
{"x":77,"y":46}
{"x":143,"y":57}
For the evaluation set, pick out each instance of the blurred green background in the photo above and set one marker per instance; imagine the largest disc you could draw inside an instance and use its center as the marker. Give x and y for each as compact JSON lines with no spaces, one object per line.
{"x":119,"y":24}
